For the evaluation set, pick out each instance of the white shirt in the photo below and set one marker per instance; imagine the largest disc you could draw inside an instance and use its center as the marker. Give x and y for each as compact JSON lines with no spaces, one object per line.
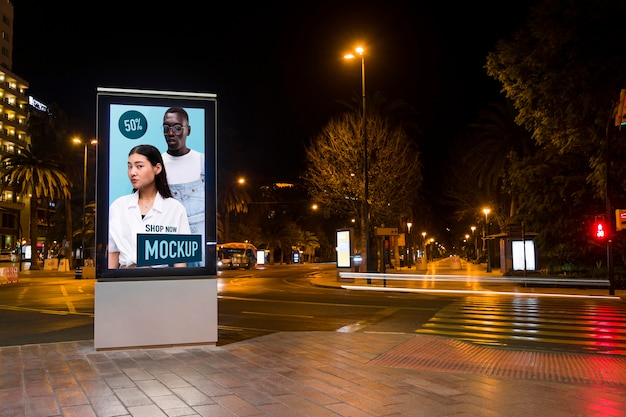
{"x":125,"y":223}
{"x":184,"y":168}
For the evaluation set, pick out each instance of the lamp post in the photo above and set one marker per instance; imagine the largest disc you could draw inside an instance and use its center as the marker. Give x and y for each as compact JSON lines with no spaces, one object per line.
{"x":424,"y":244}
{"x":365,"y":212}
{"x":408,"y":243}
{"x":475,"y":251}
{"x":78,"y":140}
{"x":487,"y":211}
{"x":431,"y":241}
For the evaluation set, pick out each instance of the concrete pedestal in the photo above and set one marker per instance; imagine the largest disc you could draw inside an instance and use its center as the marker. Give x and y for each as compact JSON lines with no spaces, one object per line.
{"x":163,"y":312}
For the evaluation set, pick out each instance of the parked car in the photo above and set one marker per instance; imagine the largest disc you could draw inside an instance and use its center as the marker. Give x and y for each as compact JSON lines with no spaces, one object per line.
{"x":7,"y":255}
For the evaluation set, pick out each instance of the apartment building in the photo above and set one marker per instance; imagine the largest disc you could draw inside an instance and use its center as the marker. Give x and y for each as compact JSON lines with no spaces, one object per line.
{"x":14,"y":110}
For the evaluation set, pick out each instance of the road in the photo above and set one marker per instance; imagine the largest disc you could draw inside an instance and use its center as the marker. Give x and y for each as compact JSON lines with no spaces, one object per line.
{"x":281,"y":298}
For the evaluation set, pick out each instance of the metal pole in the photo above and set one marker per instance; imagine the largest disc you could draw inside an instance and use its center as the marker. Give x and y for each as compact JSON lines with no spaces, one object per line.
{"x":609,"y":217}
{"x":19,"y":231}
{"x":524,"y":246}
{"x":84,"y":205}
{"x":366,"y":210}
{"x":408,"y":244}
{"x":488,"y":243}
{"x":475,"y":244}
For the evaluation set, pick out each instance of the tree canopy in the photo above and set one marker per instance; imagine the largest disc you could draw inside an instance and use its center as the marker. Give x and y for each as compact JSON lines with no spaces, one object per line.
{"x":563,"y":71}
{"x":335,"y":171}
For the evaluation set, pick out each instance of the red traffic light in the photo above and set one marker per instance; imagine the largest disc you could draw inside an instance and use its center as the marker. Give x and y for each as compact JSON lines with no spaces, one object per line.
{"x":600,"y":230}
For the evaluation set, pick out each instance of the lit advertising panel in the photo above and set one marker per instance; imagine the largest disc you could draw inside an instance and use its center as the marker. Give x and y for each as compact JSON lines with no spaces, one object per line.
{"x":344,"y":248}
{"x":156,"y":189}
{"x":523,"y":255}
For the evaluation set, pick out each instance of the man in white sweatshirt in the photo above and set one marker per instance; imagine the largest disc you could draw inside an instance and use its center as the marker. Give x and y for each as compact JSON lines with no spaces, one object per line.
{"x":185,"y":171}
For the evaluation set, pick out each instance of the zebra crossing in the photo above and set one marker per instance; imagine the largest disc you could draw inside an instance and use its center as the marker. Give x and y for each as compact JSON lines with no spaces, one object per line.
{"x":591,"y":326}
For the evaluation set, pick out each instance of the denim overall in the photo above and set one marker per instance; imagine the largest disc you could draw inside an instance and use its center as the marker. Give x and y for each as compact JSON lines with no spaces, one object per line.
{"x":191,"y":195}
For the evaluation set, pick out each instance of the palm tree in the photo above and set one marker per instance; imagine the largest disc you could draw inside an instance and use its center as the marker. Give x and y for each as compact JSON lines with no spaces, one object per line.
{"x":39,"y":176}
{"x":481,"y":163}
{"x":49,"y":136}
{"x":231,"y":197}
{"x":500,"y":141}
{"x":311,"y":242}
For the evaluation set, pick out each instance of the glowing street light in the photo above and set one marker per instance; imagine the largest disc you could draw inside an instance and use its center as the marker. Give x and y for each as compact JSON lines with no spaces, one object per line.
{"x":79,"y":141}
{"x":473,"y":229}
{"x":487,"y":211}
{"x":365,"y":212}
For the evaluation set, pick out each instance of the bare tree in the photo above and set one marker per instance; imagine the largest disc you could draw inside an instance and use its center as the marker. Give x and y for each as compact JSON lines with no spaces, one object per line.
{"x":335,"y":174}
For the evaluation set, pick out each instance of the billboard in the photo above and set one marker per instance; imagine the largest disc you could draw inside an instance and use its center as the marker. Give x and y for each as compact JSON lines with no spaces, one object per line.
{"x":344,"y":248}
{"x":156,"y":189}
{"x":523,"y":255}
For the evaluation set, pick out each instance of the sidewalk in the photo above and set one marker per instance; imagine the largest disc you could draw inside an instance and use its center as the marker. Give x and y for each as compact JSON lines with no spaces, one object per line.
{"x":309,"y":374}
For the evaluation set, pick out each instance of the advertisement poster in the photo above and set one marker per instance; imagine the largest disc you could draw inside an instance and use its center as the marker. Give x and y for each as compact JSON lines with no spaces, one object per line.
{"x":156,"y":197}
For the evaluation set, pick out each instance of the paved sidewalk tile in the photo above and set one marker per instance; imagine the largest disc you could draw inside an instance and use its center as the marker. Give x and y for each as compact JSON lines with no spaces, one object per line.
{"x":308,"y":374}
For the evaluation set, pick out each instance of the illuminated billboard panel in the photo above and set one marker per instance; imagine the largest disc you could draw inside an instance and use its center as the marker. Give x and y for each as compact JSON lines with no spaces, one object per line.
{"x":523,"y":255}
{"x":344,"y":248}
{"x":156,"y":190}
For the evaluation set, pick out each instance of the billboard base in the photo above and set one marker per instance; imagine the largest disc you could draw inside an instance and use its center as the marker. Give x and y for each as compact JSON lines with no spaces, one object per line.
{"x":151,"y":313}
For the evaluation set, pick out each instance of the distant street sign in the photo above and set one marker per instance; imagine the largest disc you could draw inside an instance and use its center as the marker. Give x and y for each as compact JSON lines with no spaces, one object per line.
{"x":386,"y":231}
{"x":620,"y":219}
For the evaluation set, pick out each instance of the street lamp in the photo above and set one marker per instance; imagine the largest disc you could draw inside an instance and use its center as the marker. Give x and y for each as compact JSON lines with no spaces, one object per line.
{"x":365,"y":212}
{"x":473,"y":228}
{"x":79,"y":141}
{"x":487,"y":211}
{"x":431,"y":241}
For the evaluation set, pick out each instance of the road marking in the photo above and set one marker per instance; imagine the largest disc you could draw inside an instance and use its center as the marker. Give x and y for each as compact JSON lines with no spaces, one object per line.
{"x":68,"y":302}
{"x":373,"y":319}
{"x":276,"y":314}
{"x":44,"y":311}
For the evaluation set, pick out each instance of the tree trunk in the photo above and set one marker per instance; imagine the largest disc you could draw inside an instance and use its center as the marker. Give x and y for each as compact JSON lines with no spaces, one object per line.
{"x":34,"y":256}
{"x":365,"y":254}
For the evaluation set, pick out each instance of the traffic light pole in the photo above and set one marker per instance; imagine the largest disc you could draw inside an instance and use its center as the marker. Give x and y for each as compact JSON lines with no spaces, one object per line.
{"x":610,"y":221}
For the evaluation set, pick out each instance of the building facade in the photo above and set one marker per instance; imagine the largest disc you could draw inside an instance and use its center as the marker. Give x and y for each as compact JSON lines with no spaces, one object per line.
{"x":14,"y":110}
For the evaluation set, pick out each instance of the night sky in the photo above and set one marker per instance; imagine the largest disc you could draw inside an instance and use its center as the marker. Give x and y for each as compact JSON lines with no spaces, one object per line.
{"x":277,"y":68}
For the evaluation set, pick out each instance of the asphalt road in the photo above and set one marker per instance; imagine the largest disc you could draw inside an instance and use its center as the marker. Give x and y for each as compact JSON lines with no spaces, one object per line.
{"x":281,"y":298}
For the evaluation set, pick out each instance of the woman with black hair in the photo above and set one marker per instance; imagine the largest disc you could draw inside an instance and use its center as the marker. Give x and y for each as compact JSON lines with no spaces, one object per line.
{"x":149,"y":209}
